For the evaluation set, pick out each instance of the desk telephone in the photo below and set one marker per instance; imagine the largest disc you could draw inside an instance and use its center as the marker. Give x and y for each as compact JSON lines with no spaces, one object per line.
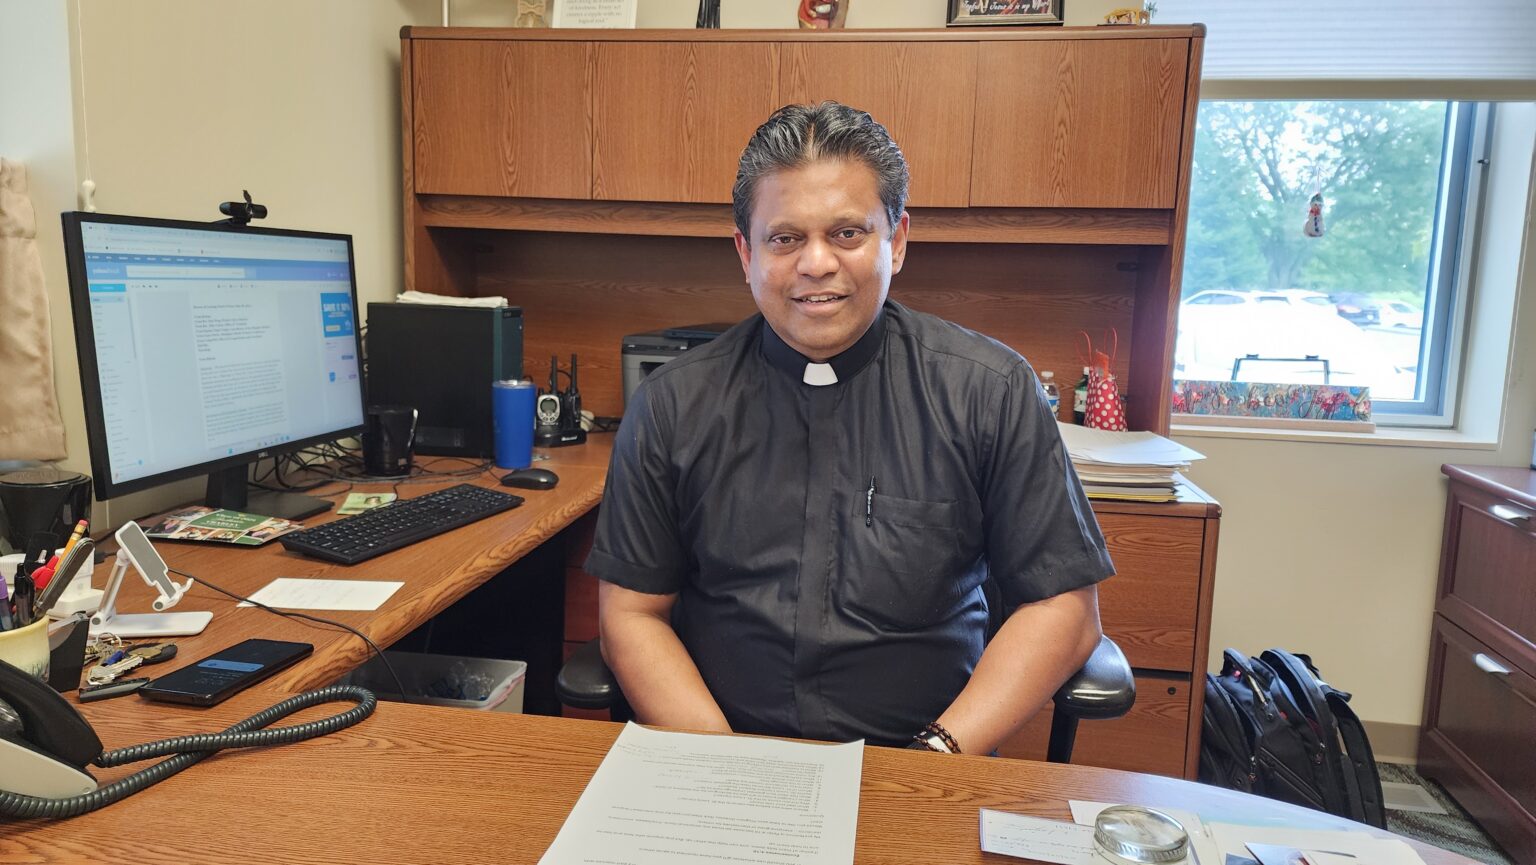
{"x":46,"y":745}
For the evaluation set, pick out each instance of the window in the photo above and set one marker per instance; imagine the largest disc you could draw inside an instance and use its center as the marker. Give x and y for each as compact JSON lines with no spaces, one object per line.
{"x":1368,"y":284}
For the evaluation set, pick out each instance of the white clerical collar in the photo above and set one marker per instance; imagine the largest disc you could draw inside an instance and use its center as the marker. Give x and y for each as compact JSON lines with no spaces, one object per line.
{"x":819,"y":374}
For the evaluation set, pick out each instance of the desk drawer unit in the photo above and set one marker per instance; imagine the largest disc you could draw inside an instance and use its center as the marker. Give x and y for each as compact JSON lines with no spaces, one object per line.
{"x":1479,"y":733}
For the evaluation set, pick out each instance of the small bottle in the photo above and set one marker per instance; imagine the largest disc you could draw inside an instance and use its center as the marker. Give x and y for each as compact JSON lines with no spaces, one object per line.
{"x":1052,"y":392}
{"x":1080,"y":399}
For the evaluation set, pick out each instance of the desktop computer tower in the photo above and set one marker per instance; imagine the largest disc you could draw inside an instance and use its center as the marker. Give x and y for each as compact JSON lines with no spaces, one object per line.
{"x":441,"y":361}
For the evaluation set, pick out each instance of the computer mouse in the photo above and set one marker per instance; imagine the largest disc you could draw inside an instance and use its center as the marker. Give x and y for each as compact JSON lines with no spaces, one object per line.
{"x":530,"y":479}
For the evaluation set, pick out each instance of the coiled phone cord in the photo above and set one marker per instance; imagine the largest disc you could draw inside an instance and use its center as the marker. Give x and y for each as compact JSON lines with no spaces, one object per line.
{"x":191,"y":749}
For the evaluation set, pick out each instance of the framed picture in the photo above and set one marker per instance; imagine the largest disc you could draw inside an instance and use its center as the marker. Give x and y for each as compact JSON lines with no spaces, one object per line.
{"x":968,"y":12}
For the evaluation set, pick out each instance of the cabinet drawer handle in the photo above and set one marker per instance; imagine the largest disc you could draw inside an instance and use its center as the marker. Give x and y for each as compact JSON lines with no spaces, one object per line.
{"x":1489,"y":665}
{"x":1513,"y":515}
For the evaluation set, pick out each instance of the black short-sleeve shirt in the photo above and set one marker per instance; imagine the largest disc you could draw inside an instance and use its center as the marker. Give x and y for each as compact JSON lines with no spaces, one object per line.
{"x":828,"y":543}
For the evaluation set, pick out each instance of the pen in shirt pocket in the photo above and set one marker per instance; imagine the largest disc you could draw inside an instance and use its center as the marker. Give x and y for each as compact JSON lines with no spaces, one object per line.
{"x":869,"y":503}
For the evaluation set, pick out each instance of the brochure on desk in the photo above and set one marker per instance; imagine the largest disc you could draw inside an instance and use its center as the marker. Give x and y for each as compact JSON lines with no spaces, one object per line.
{"x":213,"y":525}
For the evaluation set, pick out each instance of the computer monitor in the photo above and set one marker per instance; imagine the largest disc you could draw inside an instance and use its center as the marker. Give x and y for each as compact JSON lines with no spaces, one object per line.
{"x":205,"y":345}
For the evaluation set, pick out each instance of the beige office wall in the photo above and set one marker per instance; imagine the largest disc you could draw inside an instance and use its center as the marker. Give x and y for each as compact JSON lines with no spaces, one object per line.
{"x":1333,"y":549}
{"x":180,"y":104}
{"x":36,"y":129}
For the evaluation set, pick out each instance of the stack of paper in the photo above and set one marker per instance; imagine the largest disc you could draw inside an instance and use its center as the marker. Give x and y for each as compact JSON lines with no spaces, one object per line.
{"x":1130,"y":466}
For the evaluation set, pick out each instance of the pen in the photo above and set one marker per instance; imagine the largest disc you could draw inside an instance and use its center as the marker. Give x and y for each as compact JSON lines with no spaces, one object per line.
{"x":869,"y":503}
{"x":25,"y":597}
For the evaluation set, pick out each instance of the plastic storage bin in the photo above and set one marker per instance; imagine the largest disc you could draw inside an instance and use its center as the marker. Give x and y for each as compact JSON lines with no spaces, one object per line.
{"x":486,"y":684}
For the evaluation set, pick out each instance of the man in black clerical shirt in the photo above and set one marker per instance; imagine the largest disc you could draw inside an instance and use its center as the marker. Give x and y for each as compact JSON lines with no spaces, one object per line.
{"x":800,"y":515}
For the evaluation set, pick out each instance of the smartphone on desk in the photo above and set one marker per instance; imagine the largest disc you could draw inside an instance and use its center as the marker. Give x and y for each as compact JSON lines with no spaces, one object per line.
{"x":220,"y":676}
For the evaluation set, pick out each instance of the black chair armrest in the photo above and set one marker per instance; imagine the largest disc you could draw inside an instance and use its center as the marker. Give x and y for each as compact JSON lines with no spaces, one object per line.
{"x":1104,"y":687}
{"x":585,"y":681}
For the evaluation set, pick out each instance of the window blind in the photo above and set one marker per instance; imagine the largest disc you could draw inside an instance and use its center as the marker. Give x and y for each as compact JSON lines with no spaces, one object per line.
{"x":1490,"y":41}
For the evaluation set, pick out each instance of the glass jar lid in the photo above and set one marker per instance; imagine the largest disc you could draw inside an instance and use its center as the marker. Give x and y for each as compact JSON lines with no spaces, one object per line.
{"x":1139,"y":835}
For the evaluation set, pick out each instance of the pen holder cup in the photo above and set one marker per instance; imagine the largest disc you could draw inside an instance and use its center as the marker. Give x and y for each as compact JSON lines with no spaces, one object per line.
{"x":27,"y":648}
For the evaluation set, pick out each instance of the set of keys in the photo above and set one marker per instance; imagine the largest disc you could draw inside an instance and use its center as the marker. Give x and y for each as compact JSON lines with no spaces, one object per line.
{"x":110,"y":658}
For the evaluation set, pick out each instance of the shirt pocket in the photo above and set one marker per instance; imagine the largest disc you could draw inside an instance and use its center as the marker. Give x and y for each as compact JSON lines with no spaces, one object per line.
{"x":904,"y":570}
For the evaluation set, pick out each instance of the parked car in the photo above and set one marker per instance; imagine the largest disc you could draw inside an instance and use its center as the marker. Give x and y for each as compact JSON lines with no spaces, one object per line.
{"x":1357,"y":308}
{"x":1278,"y":340}
{"x":1229,"y":297}
{"x":1396,"y":313}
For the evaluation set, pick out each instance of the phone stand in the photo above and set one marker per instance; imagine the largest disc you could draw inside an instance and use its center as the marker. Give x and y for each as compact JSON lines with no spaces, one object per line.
{"x":134,"y":549}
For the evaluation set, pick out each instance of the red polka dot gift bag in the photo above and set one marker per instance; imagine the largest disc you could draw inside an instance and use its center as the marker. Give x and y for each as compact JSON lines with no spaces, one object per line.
{"x":1105,"y":408}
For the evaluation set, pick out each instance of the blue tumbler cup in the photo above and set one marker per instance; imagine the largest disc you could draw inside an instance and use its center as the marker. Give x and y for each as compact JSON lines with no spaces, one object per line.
{"x":512,"y":417}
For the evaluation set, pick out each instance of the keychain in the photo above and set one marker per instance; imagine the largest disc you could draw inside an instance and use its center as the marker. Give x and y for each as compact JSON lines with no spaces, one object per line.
{"x":106,"y":673}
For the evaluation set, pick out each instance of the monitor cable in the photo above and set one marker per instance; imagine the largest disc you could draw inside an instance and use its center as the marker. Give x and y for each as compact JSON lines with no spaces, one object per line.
{"x":239,"y":598}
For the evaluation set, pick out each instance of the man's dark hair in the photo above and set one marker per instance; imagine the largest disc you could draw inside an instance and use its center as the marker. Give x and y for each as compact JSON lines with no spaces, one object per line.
{"x":797,"y":135}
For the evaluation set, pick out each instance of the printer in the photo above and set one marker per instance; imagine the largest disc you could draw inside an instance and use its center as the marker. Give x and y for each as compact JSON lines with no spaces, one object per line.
{"x":644,"y":352}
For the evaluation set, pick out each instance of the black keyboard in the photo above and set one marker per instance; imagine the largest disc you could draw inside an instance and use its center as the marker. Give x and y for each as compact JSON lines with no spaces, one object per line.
{"x":398,"y":524}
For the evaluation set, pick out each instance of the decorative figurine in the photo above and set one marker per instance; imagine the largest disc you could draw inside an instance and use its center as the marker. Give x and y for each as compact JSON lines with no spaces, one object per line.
{"x":709,"y":15}
{"x":1132,"y":16}
{"x":532,"y":13}
{"x":1314,"y":224}
{"x":823,"y":14}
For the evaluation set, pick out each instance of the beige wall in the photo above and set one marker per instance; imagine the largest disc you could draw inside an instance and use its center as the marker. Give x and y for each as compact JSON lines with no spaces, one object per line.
{"x":1333,"y":549}
{"x":179,"y":105}
{"x":36,"y":129}
{"x":1327,"y":548}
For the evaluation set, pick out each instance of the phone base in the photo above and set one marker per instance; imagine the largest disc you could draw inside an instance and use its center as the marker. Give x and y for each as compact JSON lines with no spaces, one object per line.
{"x":32,"y":773}
{"x":151,"y":624}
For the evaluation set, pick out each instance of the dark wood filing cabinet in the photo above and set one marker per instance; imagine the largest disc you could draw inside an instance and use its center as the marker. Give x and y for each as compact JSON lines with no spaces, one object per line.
{"x":1479,"y":732}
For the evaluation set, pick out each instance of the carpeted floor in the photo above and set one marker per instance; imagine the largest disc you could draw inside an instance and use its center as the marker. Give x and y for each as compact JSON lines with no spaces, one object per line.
{"x":1453,"y":830}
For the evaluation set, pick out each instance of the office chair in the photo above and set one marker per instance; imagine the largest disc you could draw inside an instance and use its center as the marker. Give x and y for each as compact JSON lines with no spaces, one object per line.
{"x":1102,"y":689}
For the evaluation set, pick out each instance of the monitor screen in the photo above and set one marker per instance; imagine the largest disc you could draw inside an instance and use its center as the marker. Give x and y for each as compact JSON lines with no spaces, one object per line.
{"x":203,"y":345}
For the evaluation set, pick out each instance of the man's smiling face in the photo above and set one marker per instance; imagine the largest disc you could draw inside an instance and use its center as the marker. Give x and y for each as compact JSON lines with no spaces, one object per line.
{"x":821,"y":254}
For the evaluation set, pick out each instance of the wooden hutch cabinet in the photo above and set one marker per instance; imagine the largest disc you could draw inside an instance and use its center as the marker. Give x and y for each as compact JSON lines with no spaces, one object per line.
{"x":586,"y":176}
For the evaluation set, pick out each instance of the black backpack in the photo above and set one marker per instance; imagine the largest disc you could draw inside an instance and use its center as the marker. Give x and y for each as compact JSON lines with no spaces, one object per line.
{"x":1274,"y":728}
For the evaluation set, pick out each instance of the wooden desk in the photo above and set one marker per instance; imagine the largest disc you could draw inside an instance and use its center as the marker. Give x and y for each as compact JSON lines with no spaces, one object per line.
{"x":436,"y":573}
{"x":419,"y":784}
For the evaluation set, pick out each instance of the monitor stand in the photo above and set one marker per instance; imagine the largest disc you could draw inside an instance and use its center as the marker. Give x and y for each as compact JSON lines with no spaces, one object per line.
{"x":229,"y":488}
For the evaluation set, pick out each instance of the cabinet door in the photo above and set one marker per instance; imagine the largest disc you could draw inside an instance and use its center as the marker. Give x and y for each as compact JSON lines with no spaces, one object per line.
{"x":923,"y":93}
{"x":502,"y":118}
{"x":671,"y":118}
{"x":1079,"y":123}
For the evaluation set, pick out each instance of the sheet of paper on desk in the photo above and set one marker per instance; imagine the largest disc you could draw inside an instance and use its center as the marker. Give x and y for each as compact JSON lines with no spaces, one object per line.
{"x":662,"y":798}
{"x":1037,"y":838}
{"x":1360,"y":847}
{"x":1109,"y":447}
{"x":289,"y":593}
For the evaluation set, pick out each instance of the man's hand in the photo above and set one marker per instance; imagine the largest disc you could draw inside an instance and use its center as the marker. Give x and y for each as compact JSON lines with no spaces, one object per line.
{"x":659,"y":679}
{"x":1037,"y":648}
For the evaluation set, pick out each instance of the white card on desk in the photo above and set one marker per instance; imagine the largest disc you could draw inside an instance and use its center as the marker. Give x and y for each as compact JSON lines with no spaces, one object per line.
{"x":1036,"y":838}
{"x":290,"y":593}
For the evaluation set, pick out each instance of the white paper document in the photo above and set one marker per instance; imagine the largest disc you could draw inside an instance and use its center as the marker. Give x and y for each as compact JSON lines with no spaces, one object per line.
{"x":1363,"y":847}
{"x":664,"y":798}
{"x":289,"y":593}
{"x":1106,"y":447}
{"x":1037,"y":838}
